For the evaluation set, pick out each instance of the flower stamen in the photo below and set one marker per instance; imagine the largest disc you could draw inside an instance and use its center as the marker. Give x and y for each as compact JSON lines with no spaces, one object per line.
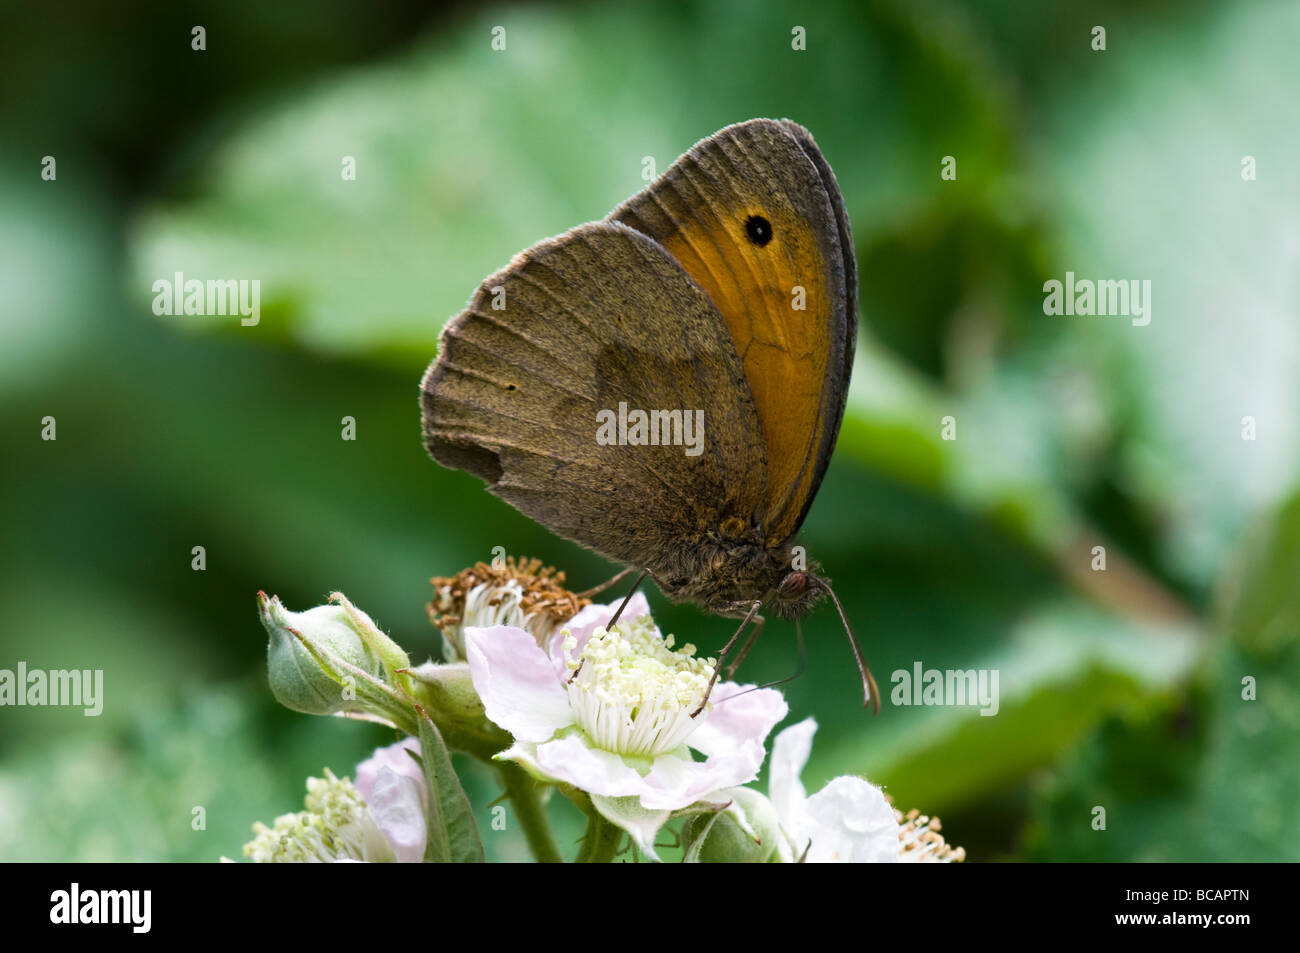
{"x":631,"y":692}
{"x":337,"y":825}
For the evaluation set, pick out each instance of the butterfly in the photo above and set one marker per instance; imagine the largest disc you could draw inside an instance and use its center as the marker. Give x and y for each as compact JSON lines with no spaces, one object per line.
{"x":724,"y":295}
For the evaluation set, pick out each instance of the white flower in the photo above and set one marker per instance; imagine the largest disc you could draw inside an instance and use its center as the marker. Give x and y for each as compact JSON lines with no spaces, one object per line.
{"x":621,"y":729}
{"x":391,"y":782}
{"x":847,"y":821}
{"x":380,"y":820}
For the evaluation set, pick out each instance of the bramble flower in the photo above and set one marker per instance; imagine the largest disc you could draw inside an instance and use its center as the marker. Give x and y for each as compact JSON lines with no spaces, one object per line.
{"x":608,"y":712}
{"x":391,"y":782}
{"x":524,"y":594}
{"x":847,"y":821}
{"x":615,"y":716}
{"x":379,"y":820}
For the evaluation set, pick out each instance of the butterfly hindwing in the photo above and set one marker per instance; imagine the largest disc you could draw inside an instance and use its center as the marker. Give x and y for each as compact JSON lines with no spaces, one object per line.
{"x":598,"y":317}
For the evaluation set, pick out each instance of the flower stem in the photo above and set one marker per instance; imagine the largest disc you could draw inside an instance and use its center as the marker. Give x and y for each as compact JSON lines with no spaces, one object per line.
{"x":530,"y":812}
{"x":601,"y":842}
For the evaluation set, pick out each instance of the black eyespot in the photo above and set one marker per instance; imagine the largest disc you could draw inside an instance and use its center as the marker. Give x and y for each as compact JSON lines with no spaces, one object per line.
{"x":758,"y":229}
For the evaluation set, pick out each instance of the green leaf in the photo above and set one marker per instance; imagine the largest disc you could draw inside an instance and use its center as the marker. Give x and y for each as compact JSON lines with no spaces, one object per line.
{"x":1258,"y":604}
{"x":453,"y":834}
{"x":1138,"y":165}
{"x":1215,"y":776}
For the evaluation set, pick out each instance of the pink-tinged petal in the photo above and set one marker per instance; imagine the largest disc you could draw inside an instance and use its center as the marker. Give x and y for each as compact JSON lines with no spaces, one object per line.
{"x":515,"y":680}
{"x":629,"y":814}
{"x":396,"y":803}
{"x":676,"y":781}
{"x":790,"y":753}
{"x":589,"y":619}
{"x":850,"y":822}
{"x":395,"y":757}
{"x":737,"y":715}
{"x":594,"y":770}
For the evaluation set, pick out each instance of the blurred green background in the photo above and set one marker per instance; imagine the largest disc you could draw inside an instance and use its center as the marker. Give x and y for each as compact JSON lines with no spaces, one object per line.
{"x":1120,"y":689}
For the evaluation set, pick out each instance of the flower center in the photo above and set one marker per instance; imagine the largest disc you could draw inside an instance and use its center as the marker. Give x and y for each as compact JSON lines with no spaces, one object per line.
{"x":337,"y":825}
{"x":633,"y":694}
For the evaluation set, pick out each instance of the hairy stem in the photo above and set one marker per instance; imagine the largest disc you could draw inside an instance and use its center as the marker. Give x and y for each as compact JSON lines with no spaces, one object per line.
{"x":524,"y":793}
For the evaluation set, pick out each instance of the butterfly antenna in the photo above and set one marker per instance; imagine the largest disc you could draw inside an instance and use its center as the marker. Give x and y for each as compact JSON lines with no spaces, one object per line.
{"x":870,"y":693}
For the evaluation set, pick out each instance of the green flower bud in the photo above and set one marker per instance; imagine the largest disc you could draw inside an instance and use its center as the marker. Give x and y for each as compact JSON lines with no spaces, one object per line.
{"x":333,"y":659}
{"x":744,"y":832}
{"x":303,"y":652}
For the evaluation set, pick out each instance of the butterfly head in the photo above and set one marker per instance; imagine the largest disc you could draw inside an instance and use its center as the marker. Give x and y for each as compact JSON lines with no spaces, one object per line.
{"x":797,"y":593}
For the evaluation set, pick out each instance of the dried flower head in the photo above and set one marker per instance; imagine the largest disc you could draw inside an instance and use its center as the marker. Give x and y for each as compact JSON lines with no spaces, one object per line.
{"x":520,"y":593}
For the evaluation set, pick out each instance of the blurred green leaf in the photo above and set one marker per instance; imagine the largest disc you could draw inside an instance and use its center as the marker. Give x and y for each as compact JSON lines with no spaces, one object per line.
{"x":1214,"y":777}
{"x":1258,"y":604}
{"x":1145,"y":166}
{"x":465,"y":156}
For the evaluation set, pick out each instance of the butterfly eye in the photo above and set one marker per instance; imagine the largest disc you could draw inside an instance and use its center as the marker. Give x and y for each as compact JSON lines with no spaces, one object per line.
{"x":793,"y":585}
{"x":758,"y":229}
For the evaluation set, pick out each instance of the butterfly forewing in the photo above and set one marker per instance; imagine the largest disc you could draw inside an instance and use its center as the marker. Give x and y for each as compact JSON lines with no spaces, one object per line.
{"x":754,"y":216}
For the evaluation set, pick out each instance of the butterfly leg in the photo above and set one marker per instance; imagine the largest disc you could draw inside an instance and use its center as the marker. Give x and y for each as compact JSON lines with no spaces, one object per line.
{"x":749,"y":644}
{"x":803,"y":663}
{"x":596,"y":590}
{"x":717,"y":667}
{"x":623,"y":605}
{"x":628,"y":598}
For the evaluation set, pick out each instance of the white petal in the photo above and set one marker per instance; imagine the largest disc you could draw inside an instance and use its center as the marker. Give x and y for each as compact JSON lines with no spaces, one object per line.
{"x":629,"y":814}
{"x":574,"y":760}
{"x":396,"y":757}
{"x":849,"y":821}
{"x":676,"y":781}
{"x":397,"y":804}
{"x":737,"y":715}
{"x":515,"y":680}
{"x":790,"y":753}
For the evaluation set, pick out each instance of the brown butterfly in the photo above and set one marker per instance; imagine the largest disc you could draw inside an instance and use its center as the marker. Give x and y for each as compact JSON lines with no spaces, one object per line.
{"x":725,"y":294}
